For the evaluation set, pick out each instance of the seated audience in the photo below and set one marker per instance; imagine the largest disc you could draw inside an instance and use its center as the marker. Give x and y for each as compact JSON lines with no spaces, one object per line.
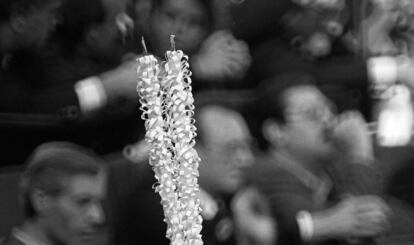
{"x":61,"y":192}
{"x":346,"y":72}
{"x":65,"y":91}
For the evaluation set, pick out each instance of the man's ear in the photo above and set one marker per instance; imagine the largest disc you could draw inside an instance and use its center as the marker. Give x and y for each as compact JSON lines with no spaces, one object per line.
{"x":273,"y":132}
{"x":40,"y":201}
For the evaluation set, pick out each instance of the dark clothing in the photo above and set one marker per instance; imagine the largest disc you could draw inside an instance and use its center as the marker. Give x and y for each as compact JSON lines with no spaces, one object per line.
{"x":21,"y":91}
{"x":38,"y":103}
{"x":289,"y":192}
{"x":28,"y":114}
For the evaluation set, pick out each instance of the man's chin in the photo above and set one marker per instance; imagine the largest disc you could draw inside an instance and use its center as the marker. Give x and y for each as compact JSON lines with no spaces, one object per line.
{"x":88,"y":238}
{"x":232,"y":185}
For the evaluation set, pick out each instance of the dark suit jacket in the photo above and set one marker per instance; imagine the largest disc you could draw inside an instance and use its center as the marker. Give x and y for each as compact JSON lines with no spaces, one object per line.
{"x":287,"y":194}
{"x":38,"y":103}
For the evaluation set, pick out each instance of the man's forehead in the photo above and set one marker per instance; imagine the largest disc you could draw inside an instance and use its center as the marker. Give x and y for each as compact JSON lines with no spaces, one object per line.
{"x":85,"y":184}
{"x":305,"y":96}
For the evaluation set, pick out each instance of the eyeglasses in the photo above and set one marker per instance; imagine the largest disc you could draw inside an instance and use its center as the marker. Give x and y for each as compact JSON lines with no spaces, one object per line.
{"x":315,"y":113}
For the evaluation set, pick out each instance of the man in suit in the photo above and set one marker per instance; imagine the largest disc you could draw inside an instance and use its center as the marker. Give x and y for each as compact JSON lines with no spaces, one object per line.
{"x":318,"y":173}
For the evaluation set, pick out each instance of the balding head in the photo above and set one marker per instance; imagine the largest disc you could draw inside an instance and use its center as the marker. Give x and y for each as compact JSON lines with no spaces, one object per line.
{"x":224,"y":148}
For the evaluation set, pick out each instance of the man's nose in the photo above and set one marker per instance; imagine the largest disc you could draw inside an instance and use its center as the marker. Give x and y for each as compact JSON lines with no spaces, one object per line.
{"x":96,"y":214}
{"x":125,"y":24}
{"x":244,"y":157}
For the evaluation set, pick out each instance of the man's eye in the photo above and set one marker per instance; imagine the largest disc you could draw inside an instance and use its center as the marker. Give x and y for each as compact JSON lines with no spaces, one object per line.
{"x":83,"y":202}
{"x":170,"y":15}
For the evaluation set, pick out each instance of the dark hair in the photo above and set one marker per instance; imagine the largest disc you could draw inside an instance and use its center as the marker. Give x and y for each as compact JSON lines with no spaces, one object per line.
{"x":270,"y":102}
{"x":49,"y":165}
{"x":77,"y":17}
{"x":19,"y":7}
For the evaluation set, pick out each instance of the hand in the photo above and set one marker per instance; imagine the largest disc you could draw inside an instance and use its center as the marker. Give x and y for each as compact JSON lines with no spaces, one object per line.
{"x":351,"y":136}
{"x":358,"y":217}
{"x":253,"y":221}
{"x":221,"y":56}
{"x":121,"y":82}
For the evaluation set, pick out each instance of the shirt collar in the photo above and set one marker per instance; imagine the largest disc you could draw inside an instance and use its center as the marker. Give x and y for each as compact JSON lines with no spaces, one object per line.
{"x":5,"y":61}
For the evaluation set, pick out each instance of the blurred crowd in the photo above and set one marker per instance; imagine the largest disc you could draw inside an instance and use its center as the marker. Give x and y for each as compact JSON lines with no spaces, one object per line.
{"x":284,"y":93}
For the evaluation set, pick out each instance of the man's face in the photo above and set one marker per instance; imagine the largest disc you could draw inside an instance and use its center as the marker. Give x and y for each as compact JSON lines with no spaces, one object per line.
{"x":186,"y":19}
{"x":309,"y":116}
{"x":109,"y":37}
{"x":227,"y":150}
{"x":39,"y":23}
{"x":74,"y":215}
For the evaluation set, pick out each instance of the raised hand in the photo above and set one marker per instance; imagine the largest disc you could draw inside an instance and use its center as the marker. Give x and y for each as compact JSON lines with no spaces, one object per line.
{"x":221,"y":57}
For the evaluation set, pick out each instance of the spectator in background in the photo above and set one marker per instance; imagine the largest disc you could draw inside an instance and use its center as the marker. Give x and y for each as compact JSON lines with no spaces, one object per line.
{"x":216,"y":57}
{"x":88,"y":42}
{"x":223,"y":145}
{"x":61,"y":192}
{"x":24,"y":27}
{"x":318,"y":174}
{"x":77,"y":88}
{"x":140,"y":11}
{"x":344,"y":73}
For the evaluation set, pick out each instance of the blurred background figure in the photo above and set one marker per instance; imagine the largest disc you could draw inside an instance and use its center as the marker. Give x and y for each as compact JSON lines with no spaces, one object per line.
{"x":216,"y":57}
{"x":318,"y":173}
{"x":140,"y":11}
{"x":76,"y":87}
{"x":304,"y":36}
{"x":324,"y":39}
{"x":61,"y":190}
{"x":24,"y":27}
